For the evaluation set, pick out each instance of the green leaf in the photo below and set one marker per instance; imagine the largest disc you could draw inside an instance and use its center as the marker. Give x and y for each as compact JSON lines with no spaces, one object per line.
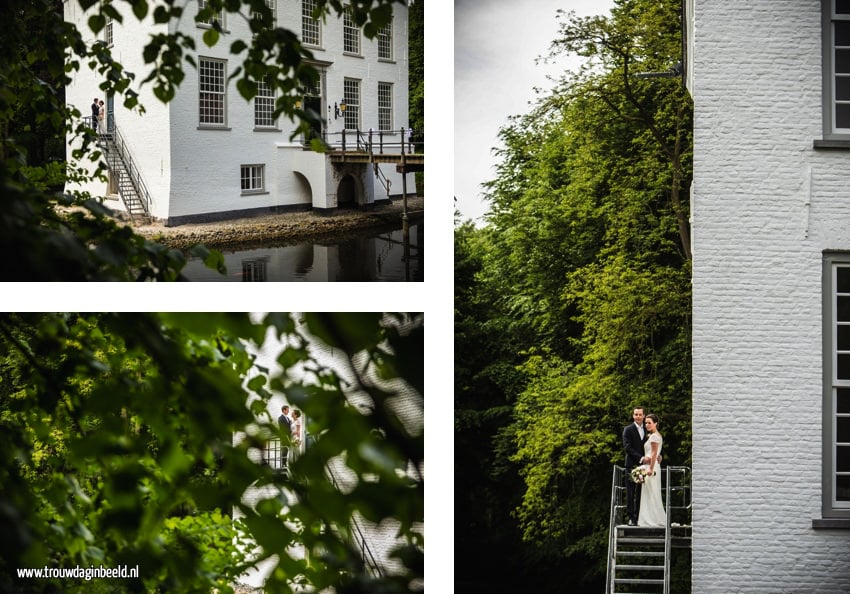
{"x":210,"y":37}
{"x":140,"y":9}
{"x":96,"y":23}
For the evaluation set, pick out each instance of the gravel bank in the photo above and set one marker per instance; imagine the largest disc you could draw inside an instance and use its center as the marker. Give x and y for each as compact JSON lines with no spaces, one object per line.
{"x":281,"y":229}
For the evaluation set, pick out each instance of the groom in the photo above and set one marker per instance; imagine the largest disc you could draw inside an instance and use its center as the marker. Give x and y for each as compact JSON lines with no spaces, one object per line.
{"x":634,"y":436}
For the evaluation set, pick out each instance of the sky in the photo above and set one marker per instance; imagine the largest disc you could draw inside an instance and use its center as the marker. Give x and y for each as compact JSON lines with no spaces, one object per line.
{"x":495,"y":47}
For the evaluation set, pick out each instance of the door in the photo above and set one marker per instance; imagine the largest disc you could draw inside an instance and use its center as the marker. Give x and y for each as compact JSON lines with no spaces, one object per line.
{"x":110,"y":117}
{"x":314,"y":104}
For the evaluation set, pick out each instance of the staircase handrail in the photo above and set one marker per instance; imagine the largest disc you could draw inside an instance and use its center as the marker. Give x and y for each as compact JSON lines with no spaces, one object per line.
{"x":618,"y":478}
{"x":362,"y":544}
{"x":667,"y":491}
{"x":132,"y":170}
{"x":615,"y":485}
{"x":668,"y":498}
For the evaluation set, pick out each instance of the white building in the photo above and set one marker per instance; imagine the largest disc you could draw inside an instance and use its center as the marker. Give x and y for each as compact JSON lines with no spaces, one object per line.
{"x":210,"y":154}
{"x":771,"y":288}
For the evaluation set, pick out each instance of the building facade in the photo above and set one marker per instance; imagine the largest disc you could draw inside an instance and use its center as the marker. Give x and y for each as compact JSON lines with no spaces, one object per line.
{"x":210,"y":154}
{"x":770,"y":82}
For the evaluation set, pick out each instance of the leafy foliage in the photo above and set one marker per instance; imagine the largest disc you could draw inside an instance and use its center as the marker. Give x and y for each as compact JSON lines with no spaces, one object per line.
{"x":117,"y":448}
{"x":580,"y":284}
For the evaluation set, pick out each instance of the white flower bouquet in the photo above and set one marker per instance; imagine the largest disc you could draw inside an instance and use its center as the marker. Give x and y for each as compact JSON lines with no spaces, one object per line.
{"x":639,"y":474}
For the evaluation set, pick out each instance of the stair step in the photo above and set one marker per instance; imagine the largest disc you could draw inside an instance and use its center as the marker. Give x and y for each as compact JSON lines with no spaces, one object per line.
{"x":639,"y":567}
{"x":640,"y":553}
{"x":637,"y":581}
{"x":635,"y":540}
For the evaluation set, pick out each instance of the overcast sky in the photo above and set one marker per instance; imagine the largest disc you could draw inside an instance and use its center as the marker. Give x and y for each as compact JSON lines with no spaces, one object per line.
{"x":495,"y":46}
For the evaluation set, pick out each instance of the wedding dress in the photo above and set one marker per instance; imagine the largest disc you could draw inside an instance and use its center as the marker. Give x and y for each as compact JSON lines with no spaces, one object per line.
{"x":651,"y":507}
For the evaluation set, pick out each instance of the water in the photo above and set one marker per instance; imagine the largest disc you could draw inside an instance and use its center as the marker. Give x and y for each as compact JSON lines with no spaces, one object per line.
{"x":371,"y":256}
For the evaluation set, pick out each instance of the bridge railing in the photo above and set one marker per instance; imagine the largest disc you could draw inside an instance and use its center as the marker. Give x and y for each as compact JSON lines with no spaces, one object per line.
{"x":403,"y":140}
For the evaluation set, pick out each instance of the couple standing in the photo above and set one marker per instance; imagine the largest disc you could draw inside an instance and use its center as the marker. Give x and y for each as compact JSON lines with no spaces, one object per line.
{"x":642,"y":443}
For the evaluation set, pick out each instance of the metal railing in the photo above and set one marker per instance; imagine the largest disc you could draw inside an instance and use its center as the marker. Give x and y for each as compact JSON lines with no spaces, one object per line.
{"x":405,"y":141}
{"x":131,"y":169}
{"x":359,"y":537}
{"x":114,"y":136}
{"x":677,"y":502}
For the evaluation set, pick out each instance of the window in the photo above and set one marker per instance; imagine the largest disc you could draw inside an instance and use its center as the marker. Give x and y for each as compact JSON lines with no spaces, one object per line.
{"x":208,"y":22}
{"x":311,"y":29}
{"x":836,"y":405}
{"x":264,"y":106}
{"x":351,"y":91}
{"x":385,"y":106}
{"x":350,"y":34}
{"x":836,"y":69}
{"x":212,"y":98}
{"x":256,"y":270}
{"x":252,"y":179}
{"x":385,"y":42}
{"x":108,"y":31}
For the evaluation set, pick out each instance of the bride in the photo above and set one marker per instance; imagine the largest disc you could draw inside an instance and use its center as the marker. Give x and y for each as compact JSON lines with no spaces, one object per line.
{"x":651,"y":507}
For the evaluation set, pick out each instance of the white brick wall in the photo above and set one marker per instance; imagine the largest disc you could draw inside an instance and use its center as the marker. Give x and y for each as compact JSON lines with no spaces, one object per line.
{"x":765,"y":206}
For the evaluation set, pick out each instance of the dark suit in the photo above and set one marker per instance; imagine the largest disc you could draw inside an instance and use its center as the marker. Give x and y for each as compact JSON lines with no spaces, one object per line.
{"x":286,"y":428}
{"x":633,"y":444}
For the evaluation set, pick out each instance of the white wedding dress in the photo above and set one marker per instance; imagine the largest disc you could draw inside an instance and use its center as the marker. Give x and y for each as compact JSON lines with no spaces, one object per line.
{"x":651,"y":506}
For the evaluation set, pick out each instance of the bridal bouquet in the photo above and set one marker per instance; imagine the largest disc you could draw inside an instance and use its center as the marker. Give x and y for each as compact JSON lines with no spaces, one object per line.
{"x":639,"y":474}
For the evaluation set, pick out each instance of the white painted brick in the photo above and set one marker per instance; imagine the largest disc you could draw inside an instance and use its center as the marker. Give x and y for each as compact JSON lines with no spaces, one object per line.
{"x":757,"y":299}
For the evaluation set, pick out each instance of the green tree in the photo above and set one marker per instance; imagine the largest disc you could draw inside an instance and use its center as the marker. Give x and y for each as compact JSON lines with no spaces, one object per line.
{"x":111,"y":422}
{"x":584,"y":265}
{"x":40,"y":52}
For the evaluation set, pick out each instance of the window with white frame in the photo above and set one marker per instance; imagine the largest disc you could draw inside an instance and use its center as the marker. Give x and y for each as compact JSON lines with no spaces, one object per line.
{"x":836,"y":405}
{"x":208,"y":22}
{"x":351,"y":95}
{"x":350,"y":33}
{"x":836,"y":69}
{"x":385,"y":106}
{"x":256,"y":270}
{"x":108,"y":31}
{"x":264,"y":106}
{"x":252,"y":179}
{"x":212,"y":96}
{"x":385,"y":42}
{"x":311,"y":28}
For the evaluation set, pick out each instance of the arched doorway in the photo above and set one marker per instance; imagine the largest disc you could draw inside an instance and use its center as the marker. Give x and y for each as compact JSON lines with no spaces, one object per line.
{"x":346,"y":194}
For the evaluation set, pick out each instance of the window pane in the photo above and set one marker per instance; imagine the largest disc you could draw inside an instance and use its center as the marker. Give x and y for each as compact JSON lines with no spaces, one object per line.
{"x":842,"y":274}
{"x":842,"y":488}
{"x":843,"y":367}
{"x":843,"y":312}
{"x":842,"y":88}
{"x":842,"y":6}
{"x":842,"y":33}
{"x":843,"y":400}
{"x":843,"y":342}
{"x":842,"y":459}
{"x":842,"y":115}
{"x":842,"y":430}
{"x":842,"y":61}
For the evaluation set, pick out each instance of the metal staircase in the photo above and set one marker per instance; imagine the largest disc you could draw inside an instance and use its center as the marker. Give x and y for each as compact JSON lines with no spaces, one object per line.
{"x":639,"y":557}
{"x":126,"y":175}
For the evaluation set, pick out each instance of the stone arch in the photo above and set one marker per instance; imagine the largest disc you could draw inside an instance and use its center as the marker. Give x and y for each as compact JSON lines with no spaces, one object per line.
{"x":304,"y":190}
{"x":348,"y":192}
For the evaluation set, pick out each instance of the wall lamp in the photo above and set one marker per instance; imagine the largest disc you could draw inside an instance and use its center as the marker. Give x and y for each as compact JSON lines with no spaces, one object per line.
{"x":339,"y":109}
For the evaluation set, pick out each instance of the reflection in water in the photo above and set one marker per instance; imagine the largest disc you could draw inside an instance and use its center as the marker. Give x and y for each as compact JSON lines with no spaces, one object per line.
{"x":379,"y":256}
